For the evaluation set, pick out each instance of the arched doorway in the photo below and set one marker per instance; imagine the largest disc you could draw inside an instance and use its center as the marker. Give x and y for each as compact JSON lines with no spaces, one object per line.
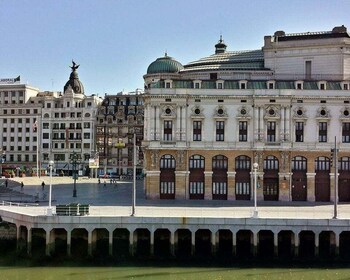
{"x":299,"y":178}
{"x":271,"y":180}
{"x":167,"y":177}
{"x":219,"y":188}
{"x":344,"y":179}
{"x":196,"y":178}
{"x":243,"y":169}
{"x":322,"y":179}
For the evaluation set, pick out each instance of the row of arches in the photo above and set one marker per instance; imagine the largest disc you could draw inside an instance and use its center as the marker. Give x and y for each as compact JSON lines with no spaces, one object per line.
{"x":224,"y":244}
{"x":243,"y":182}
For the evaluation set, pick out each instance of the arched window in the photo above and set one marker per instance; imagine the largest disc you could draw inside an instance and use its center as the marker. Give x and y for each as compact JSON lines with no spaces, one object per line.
{"x":196,"y":178}
{"x":219,"y":179}
{"x":167,"y":177}
{"x":322,"y":179}
{"x":299,"y":178}
{"x":243,"y":169}
{"x":271,"y":178}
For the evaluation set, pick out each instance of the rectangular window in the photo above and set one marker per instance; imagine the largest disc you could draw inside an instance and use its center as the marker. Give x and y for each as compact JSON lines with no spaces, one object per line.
{"x":197,"y":131}
{"x":299,"y":132}
{"x":271,"y":131}
{"x":346,"y":133}
{"x":220,"y":131}
{"x":168,"y":130}
{"x":243,"y":131}
{"x":196,"y":188}
{"x":322,"y":132}
{"x":308,"y":69}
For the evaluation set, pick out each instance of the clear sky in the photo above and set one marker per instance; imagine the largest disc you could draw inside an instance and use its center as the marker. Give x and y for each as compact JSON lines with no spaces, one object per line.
{"x":115,"y":41}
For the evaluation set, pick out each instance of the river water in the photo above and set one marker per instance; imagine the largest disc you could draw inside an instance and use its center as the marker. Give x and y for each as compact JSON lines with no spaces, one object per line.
{"x":165,"y":273}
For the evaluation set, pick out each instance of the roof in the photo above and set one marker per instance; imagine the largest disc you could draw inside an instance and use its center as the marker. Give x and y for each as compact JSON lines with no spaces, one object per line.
{"x":165,"y":64}
{"x":233,"y":60}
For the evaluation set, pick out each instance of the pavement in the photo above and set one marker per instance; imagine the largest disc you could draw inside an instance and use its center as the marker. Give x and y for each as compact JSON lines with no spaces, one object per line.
{"x":115,"y":199}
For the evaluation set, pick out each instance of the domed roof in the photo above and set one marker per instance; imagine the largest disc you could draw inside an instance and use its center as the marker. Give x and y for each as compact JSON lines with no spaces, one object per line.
{"x":74,"y":81}
{"x":164,"y":64}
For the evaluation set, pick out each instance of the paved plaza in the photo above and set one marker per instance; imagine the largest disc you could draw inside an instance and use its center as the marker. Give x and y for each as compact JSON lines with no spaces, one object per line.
{"x":115,"y":199}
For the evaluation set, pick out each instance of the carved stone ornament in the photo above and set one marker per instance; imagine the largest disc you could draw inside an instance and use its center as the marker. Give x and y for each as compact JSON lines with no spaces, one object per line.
{"x":180,"y":158}
{"x":154,"y":158}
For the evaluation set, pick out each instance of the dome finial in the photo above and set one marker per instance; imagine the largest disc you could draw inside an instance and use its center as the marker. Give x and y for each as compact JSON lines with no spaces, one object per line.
{"x":166,"y":53}
{"x":220,"y":47}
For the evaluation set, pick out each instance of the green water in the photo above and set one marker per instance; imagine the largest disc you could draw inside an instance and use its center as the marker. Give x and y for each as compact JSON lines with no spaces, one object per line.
{"x":164,"y":273}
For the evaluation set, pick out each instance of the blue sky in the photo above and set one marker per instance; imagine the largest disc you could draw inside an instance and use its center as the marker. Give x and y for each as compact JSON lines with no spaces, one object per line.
{"x":115,"y":41}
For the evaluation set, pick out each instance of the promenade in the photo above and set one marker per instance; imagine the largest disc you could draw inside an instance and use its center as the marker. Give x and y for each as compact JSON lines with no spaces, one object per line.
{"x":106,"y":199}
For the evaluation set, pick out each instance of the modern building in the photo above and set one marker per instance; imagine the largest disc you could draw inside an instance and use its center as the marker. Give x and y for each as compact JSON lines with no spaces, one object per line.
{"x":119,"y":118}
{"x":284,"y":107}
{"x":67,"y":127}
{"x":19,"y":140}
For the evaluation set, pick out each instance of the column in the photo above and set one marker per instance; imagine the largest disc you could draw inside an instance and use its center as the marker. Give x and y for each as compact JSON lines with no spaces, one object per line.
{"x":282,"y":124}
{"x":284,"y":186}
{"x":234,"y":244}
{"x":89,"y":243}
{"x":18,"y":232}
{"x":180,"y":183}
{"x":296,"y":244}
{"x":336,"y":251}
{"x":193,"y":243}
{"x":152,"y":185}
{"x":152,"y":242}
{"x":256,"y":124}
{"x":255,"y":244}
{"x":261,"y":119}
{"x":29,"y":241}
{"x":213,"y":243}
{"x":317,"y":243}
{"x":110,"y":242}
{"x":178,"y":126}
{"x":48,"y":243}
{"x":311,"y":186}
{"x":172,"y":244}
{"x":69,"y":242}
{"x":157,"y":128}
{"x":231,"y":192}
{"x":131,"y":243}
{"x":208,"y":193}
{"x":275,"y":245}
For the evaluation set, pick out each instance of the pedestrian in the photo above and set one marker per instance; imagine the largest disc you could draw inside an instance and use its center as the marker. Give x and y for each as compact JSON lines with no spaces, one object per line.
{"x":104,"y":183}
{"x":6,"y":183}
{"x":22,"y":185}
{"x":99,"y":181}
{"x":43,"y":185}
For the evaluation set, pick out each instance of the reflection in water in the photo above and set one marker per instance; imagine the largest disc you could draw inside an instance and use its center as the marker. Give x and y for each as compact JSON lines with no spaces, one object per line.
{"x":164,"y":273}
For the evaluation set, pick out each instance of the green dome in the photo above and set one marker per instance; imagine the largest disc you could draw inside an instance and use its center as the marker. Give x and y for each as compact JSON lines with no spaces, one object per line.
{"x":164,"y":64}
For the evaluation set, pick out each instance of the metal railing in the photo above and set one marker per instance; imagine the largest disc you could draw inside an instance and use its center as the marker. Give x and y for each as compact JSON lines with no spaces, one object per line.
{"x":10,"y":203}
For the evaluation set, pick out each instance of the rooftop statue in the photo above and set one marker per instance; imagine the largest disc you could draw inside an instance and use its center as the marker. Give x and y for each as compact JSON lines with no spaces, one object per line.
{"x":75,"y":66}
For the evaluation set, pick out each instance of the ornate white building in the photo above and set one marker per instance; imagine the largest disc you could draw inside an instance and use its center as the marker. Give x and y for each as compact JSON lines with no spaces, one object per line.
{"x":207,"y":122}
{"x":67,"y":126}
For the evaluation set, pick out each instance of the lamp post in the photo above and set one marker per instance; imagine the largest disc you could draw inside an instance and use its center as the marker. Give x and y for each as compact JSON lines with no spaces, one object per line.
{"x":134,"y":179}
{"x":74,"y":163}
{"x":49,"y":210}
{"x":255,"y":169}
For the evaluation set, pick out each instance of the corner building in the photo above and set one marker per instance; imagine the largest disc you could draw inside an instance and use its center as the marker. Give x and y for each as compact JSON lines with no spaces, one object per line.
{"x":208,"y":122}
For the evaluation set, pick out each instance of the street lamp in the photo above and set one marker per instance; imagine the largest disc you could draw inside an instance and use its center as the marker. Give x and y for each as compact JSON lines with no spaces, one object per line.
{"x":49,"y":210}
{"x":255,"y":169}
{"x":74,"y":163}
{"x":134,"y":179}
